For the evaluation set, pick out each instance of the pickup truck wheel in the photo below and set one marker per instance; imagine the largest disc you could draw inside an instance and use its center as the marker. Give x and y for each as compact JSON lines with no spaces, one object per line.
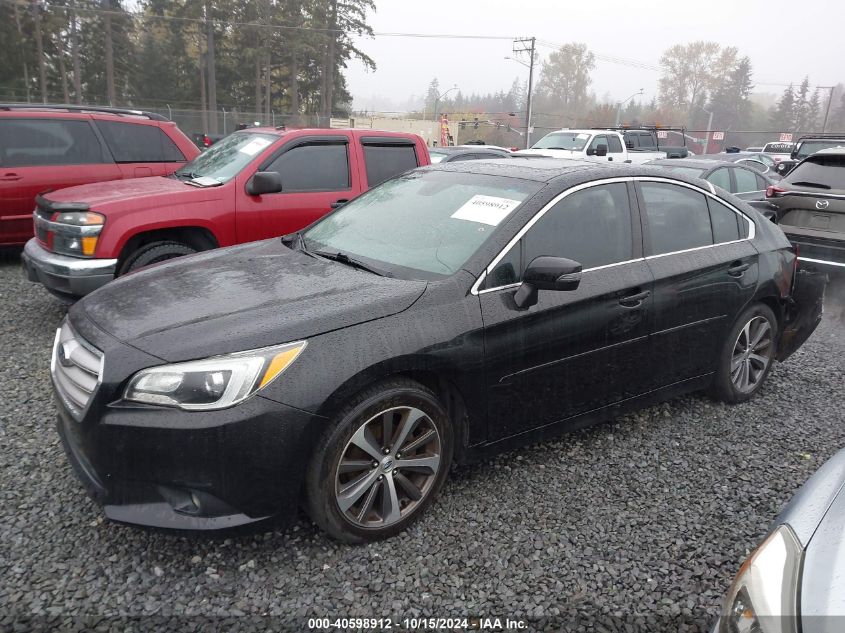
{"x":153,"y":254}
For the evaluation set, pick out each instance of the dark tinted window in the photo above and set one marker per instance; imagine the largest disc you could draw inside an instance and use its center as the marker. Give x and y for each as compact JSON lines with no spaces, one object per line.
{"x":33,"y":142}
{"x":745,"y":181}
{"x":592,"y":226}
{"x":313,"y":167}
{"x":133,"y":143}
{"x":724,"y":221}
{"x":508,"y":270}
{"x":386,"y":161}
{"x":821,"y":172}
{"x":721,"y":178}
{"x":646,"y":140}
{"x":677,"y":217}
{"x":615,"y":145}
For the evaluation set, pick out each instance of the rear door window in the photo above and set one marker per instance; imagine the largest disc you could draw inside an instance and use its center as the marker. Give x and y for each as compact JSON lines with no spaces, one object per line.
{"x":138,"y":143}
{"x":615,"y":145}
{"x":725,"y":222}
{"x":721,"y":178}
{"x":677,"y":218}
{"x":316,"y":166}
{"x":745,"y":180}
{"x":36,"y":142}
{"x":384,"y":160}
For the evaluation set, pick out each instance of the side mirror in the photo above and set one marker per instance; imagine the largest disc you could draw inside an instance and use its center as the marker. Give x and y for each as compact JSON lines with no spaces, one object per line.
{"x":546,"y":273}
{"x":264,"y":182}
{"x":591,"y":151}
{"x":601,"y":149}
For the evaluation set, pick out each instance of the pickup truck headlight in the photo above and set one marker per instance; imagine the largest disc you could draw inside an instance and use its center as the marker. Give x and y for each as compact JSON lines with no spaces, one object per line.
{"x":212,"y":383}
{"x":76,"y":232}
{"x":764,"y":595}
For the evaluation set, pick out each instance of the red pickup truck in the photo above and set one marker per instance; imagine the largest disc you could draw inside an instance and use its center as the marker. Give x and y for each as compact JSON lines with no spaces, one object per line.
{"x":253,"y":184}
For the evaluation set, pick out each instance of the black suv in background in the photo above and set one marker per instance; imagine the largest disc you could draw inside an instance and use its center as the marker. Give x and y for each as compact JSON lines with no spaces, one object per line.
{"x":807,"y":146}
{"x":811,"y":208}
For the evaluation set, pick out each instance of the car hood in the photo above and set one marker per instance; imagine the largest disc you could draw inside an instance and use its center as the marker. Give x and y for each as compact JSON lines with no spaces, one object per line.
{"x":240,"y":298}
{"x":136,"y":192}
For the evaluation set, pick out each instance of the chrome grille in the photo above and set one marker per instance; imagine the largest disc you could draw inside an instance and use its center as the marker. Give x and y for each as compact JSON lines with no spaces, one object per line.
{"x":77,"y":370}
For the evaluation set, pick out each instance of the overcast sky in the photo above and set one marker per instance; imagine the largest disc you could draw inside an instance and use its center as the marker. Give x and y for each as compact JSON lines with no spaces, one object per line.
{"x":784,"y":39}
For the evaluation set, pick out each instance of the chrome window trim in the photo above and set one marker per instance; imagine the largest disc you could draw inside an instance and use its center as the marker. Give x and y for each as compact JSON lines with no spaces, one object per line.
{"x":752,"y":227}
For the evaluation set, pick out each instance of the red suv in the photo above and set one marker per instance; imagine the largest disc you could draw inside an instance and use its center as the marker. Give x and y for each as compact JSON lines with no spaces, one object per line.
{"x":254,"y":184}
{"x":44,"y":148}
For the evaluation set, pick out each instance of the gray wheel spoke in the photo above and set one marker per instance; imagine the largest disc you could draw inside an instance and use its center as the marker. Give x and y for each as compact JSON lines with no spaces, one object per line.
{"x":420,"y":441}
{"x":745,"y":335}
{"x":762,"y":330}
{"x":390,"y":510}
{"x":353,"y":491}
{"x":736,"y":361}
{"x":744,"y":376}
{"x":408,"y":486}
{"x":426,"y":464}
{"x":368,"y":502}
{"x":409,"y":422}
{"x":365,"y":440}
{"x":354,"y":465}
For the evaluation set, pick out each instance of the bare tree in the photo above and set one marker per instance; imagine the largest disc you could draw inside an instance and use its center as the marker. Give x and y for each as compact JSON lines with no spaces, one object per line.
{"x":39,"y":42}
{"x":21,"y":43}
{"x":110,"y":92}
{"x":212,"y":79}
{"x":74,"y":53}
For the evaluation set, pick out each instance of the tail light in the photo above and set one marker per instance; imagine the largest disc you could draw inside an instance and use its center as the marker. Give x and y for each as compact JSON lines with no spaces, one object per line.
{"x":772,"y":191}
{"x":206,"y":141}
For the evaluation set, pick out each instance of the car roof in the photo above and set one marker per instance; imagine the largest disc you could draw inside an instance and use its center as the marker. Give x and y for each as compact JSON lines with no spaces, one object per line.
{"x":700,"y":162}
{"x":830,"y":151}
{"x":467,"y":149}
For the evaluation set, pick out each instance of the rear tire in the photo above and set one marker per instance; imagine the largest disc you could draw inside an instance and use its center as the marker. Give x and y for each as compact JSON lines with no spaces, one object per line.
{"x":747,"y":355}
{"x":153,"y":254}
{"x":361,"y":487}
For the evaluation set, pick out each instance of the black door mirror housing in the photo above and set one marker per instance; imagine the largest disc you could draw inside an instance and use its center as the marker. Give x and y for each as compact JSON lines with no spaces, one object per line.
{"x":264,"y":182}
{"x":546,"y":273}
{"x":601,"y":149}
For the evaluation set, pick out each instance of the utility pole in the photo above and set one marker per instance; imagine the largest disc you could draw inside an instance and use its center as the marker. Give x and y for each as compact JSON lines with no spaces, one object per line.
{"x":827,"y":111}
{"x":110,"y":92}
{"x":212,"y":79}
{"x":527,"y":45}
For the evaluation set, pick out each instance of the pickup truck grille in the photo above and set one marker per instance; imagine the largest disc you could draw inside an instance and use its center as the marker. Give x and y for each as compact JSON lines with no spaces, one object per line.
{"x":77,"y":370}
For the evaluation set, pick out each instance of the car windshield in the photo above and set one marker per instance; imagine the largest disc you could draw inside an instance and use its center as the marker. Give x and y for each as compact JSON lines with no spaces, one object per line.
{"x":436,"y":157}
{"x":695,"y":172}
{"x":811,"y":147}
{"x":562,"y":140}
{"x":226,"y":158}
{"x":423,"y":224}
{"x":819,"y":172}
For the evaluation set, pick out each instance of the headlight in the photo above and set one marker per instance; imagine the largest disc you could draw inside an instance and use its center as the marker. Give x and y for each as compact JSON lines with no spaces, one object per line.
{"x":76,"y":232}
{"x":764,"y":595}
{"x":213,"y":383}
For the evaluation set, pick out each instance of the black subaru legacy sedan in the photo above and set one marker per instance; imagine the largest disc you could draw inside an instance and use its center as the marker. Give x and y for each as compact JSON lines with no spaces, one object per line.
{"x":445,"y":315}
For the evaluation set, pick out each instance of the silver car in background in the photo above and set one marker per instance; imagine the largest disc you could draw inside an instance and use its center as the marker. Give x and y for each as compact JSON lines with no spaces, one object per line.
{"x":794,"y":582}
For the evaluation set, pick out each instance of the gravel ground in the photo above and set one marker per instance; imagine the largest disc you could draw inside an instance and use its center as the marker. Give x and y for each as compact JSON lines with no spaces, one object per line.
{"x":647,"y":517}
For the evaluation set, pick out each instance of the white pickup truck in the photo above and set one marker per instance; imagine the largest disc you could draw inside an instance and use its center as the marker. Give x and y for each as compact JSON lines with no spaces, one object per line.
{"x":592,"y":145}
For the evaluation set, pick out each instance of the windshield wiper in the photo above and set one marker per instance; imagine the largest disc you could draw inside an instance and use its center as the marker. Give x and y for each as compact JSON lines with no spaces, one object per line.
{"x":343,"y":258}
{"x":296,"y":241}
{"x":815,"y":185}
{"x":184,"y":174}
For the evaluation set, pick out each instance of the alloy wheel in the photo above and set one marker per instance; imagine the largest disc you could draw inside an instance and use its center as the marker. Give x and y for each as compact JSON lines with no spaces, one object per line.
{"x":388,"y":467}
{"x":751,"y":354}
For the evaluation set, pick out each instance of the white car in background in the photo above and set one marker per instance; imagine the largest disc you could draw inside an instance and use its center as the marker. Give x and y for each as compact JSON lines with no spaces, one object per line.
{"x":596,"y":146}
{"x":778,"y":150}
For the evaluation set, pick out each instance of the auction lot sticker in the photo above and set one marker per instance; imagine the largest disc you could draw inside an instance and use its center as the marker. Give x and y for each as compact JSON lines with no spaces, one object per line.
{"x":254,"y":146}
{"x":486,"y":209}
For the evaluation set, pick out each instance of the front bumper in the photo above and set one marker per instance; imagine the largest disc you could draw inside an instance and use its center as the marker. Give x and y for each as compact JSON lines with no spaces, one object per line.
{"x":166,"y":468}
{"x":64,"y":276}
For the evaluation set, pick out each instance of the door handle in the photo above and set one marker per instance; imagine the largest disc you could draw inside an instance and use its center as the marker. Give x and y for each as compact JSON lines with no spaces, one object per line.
{"x":737,"y":268}
{"x":339,"y":203}
{"x":10,"y":176}
{"x":635,"y":300}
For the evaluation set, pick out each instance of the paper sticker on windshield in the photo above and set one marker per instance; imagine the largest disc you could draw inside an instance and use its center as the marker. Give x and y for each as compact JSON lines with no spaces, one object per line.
{"x":582,"y":136}
{"x":254,"y":146}
{"x":486,"y":209}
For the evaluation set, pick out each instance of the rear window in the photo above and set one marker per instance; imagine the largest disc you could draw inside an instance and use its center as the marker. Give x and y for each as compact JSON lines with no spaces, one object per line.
{"x":384,"y":161}
{"x":820,"y":172}
{"x":133,"y":143}
{"x":35,"y":142}
{"x":806,"y":148}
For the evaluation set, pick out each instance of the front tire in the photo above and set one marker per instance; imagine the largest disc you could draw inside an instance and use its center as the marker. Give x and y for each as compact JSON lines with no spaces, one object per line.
{"x":381,"y":464}
{"x":747,"y":355}
{"x":153,"y":254}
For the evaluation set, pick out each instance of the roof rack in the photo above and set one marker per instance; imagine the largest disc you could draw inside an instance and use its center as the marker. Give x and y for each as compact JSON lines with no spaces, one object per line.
{"x":81,"y":108}
{"x":648,"y":128}
{"x":833,"y":135}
